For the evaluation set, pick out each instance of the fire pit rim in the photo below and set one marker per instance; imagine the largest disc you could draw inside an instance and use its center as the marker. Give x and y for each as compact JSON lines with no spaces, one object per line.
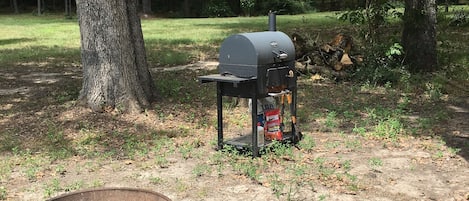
{"x":109,"y":189}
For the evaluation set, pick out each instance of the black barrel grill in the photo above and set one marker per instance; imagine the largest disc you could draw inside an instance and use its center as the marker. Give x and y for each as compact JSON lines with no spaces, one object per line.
{"x":266,"y":56}
{"x":256,"y":65}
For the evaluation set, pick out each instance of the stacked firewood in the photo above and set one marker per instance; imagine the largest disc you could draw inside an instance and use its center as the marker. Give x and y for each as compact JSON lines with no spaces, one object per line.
{"x":326,"y":59}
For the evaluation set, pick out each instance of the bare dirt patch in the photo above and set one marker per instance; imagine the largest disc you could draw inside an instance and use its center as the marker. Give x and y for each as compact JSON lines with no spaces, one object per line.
{"x":50,"y":145}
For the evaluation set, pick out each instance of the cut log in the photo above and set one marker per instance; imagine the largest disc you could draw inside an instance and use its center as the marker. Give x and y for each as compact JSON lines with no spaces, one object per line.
{"x":343,"y":42}
{"x":346,"y":60}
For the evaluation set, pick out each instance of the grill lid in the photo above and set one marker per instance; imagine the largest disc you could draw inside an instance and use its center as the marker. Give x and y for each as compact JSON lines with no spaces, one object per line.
{"x":256,"y":49}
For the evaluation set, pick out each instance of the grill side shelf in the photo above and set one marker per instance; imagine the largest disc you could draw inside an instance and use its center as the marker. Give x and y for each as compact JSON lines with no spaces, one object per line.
{"x":225,"y":78}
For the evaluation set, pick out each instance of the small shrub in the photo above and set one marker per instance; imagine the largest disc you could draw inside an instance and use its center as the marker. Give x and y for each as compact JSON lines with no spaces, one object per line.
{"x":161,"y":161}
{"x":322,"y":197}
{"x":331,"y":120}
{"x":459,"y":19}
{"x":201,"y":169}
{"x":156,"y":180}
{"x":389,"y":129}
{"x":74,"y":186}
{"x":277,"y":185}
{"x":97,"y":183}
{"x":434,"y":90}
{"x":169,"y":88}
{"x":439,"y":154}
{"x":319,"y":161}
{"x":286,"y":6}
{"x":218,"y":160}
{"x":307,"y":143}
{"x":354,"y":144}
{"x":454,"y":151}
{"x":332,"y":145}
{"x":375,"y":162}
{"x":247,"y":168}
{"x":359,"y":130}
{"x":52,"y":188}
{"x":3,"y":193}
{"x":9,"y":141}
{"x":57,"y":143}
{"x":347,"y":165}
{"x":247,"y":6}
{"x":186,"y":150}
{"x":217,"y":8}
{"x":384,"y":64}
{"x":281,"y":149}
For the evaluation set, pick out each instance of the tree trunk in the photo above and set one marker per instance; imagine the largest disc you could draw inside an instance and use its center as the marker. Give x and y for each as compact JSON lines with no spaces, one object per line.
{"x":186,"y":8}
{"x":14,"y":4}
{"x":68,"y":9}
{"x":146,"y":6}
{"x":39,"y":8}
{"x":115,"y":71}
{"x":235,"y":6}
{"x":419,"y":35}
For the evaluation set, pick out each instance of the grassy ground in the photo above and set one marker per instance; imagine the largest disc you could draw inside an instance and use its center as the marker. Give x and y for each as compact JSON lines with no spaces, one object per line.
{"x":46,"y":39}
{"x":362,"y":142}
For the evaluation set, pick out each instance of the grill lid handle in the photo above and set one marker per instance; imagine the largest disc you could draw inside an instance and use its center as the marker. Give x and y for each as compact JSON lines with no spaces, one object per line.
{"x":280,"y":55}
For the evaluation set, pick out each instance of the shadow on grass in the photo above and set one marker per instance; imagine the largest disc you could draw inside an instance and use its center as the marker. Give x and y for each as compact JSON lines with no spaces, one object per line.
{"x":457,"y":136}
{"x":14,"y":41}
{"x":46,"y":119}
{"x":159,"y":53}
{"x":27,"y":19}
{"x":39,"y":55}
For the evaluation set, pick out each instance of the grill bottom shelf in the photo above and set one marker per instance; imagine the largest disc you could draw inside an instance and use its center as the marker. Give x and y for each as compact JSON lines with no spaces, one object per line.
{"x":245,"y":142}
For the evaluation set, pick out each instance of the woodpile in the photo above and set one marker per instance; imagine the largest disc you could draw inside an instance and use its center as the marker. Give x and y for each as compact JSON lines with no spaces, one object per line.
{"x":327,"y":59}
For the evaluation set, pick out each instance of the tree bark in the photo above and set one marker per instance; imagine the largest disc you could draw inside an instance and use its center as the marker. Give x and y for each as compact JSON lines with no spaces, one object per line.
{"x":115,"y":71}
{"x":186,"y":8}
{"x":235,"y":6}
{"x":419,"y":35}
{"x":68,"y":9}
{"x":14,"y":4}
{"x":39,"y":7}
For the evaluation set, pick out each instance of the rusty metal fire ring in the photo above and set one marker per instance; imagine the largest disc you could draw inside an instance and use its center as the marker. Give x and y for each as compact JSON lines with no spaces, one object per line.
{"x":112,"y":194}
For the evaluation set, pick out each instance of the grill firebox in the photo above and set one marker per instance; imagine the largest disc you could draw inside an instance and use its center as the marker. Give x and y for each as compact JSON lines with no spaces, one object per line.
{"x":266,"y":56}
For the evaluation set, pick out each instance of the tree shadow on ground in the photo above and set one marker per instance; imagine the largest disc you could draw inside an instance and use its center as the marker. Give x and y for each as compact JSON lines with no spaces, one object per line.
{"x":14,"y":41}
{"x":456,"y":133}
{"x":45,"y":116}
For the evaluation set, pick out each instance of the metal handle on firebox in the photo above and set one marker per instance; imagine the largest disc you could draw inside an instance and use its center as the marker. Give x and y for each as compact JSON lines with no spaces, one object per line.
{"x":280,"y":55}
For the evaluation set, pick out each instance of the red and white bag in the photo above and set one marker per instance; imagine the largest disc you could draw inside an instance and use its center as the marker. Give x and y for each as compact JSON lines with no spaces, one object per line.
{"x":272,"y":125}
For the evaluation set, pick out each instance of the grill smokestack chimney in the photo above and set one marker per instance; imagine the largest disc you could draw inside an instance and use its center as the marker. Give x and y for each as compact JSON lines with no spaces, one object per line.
{"x":272,"y":21}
